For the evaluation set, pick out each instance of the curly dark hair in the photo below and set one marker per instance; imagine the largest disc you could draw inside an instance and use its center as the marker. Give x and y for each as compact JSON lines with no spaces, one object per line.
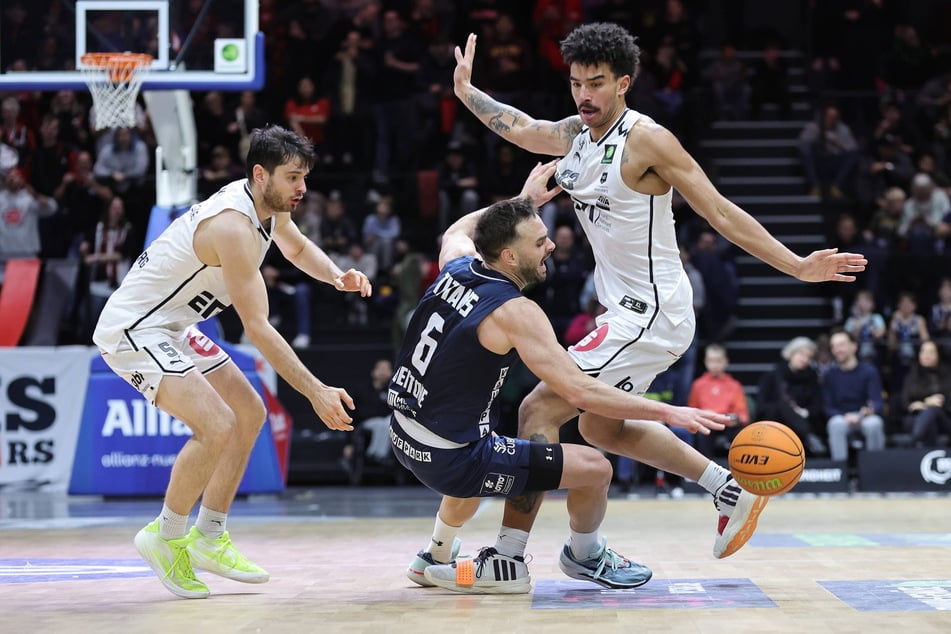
{"x":497,"y":228}
{"x":603,"y":42}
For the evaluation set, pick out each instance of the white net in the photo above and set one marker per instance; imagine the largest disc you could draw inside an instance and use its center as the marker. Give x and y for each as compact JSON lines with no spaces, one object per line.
{"x":114,"y":80}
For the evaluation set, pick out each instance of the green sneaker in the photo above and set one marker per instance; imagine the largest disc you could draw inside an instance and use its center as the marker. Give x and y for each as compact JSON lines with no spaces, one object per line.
{"x":169,"y":559}
{"x":222,"y":558}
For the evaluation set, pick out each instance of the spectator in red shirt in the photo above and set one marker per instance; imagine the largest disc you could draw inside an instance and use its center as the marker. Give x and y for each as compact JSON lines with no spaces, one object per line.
{"x":307,"y":112}
{"x":716,"y":390}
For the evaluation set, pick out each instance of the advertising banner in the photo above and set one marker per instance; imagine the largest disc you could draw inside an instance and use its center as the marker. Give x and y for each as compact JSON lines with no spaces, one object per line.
{"x":41,"y":397}
{"x":905,"y":470}
{"x":127,"y":447}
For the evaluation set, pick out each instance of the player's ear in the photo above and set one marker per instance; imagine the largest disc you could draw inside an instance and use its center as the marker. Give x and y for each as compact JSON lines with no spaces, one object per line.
{"x":257,"y":173}
{"x":624,"y":84}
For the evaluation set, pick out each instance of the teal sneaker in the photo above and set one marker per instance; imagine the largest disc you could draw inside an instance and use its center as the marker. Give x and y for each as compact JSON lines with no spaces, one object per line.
{"x":169,"y":559}
{"x":605,"y":567}
{"x":220,"y":557}
{"x":423,"y":560}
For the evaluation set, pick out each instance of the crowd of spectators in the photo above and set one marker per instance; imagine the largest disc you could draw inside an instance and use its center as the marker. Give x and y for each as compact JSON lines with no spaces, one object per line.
{"x":370,"y":83}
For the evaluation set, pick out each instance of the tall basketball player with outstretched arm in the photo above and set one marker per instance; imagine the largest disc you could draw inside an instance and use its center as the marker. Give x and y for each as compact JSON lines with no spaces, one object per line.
{"x":620,"y":169}
{"x":205,"y":260}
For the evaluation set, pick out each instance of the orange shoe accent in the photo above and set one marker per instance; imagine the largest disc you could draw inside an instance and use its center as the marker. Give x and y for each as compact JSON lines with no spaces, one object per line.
{"x":465,"y":572}
{"x":746,"y":531}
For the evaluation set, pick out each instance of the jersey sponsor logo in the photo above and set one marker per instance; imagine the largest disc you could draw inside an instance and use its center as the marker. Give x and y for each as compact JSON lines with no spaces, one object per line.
{"x":604,"y":177}
{"x":567,"y":179}
{"x":203,"y":345}
{"x":206,"y":305}
{"x":592,"y":340}
{"x":504,"y":445}
{"x":609,"y":151}
{"x":142,"y":260}
{"x":497,"y":484}
{"x":633,"y":304}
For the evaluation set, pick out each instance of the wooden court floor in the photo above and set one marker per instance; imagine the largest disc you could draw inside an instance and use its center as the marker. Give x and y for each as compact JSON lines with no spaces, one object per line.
{"x":337,"y":558}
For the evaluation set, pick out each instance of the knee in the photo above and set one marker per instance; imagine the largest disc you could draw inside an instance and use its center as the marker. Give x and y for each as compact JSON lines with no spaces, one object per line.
{"x":836,"y":425}
{"x":596,"y":470}
{"x":532,"y":419}
{"x":252,"y":416}
{"x":596,"y":432}
{"x":220,"y":430}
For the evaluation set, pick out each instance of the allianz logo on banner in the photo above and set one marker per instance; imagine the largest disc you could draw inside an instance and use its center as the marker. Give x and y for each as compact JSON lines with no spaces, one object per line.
{"x":138,"y":418}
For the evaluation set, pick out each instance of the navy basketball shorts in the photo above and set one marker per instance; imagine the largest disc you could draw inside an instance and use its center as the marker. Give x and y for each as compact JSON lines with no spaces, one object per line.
{"x":493,"y":466}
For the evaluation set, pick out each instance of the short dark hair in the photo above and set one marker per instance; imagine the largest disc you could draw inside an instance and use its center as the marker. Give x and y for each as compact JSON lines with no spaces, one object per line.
{"x":496,"y":228}
{"x":603,"y":42}
{"x":273,"y":145}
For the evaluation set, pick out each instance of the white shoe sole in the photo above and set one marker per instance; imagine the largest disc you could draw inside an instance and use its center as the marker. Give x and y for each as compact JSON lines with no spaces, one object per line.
{"x":737,"y":536}
{"x":519,"y":586}
{"x":145,"y":551}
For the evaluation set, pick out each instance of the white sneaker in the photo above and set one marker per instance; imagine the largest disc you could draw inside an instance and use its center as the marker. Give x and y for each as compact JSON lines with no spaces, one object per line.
{"x":424,"y":560}
{"x":739,"y":511}
{"x":488,"y":573}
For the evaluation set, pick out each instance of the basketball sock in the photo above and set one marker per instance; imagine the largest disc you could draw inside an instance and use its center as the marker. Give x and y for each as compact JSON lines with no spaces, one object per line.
{"x":511,"y":542}
{"x":171,"y":524}
{"x":584,"y":545}
{"x":440,"y":546}
{"x":212,"y":524}
{"x":714,"y":477}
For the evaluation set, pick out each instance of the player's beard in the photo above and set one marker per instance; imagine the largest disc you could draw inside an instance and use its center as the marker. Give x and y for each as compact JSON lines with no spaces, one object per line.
{"x":531,"y":274}
{"x":274,"y":201}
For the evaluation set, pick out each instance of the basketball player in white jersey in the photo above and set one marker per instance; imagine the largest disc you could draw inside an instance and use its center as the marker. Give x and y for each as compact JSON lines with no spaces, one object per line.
{"x":206,"y":260}
{"x":620,"y":167}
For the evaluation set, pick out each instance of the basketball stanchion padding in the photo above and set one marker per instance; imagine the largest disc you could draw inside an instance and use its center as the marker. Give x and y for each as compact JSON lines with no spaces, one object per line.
{"x":114,"y":79}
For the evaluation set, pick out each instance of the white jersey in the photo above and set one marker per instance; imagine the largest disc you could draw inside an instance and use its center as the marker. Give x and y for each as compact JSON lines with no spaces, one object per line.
{"x":638,"y":273}
{"x":168,"y":287}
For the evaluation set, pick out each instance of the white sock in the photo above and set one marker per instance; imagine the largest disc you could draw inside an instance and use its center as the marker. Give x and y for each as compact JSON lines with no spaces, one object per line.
{"x":212,"y":524}
{"x":171,"y":524}
{"x":584,"y":545}
{"x":714,"y":477}
{"x":511,"y":542}
{"x":440,"y":546}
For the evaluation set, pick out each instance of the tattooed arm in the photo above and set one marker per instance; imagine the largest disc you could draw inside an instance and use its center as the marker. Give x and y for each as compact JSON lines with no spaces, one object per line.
{"x":540,"y":137}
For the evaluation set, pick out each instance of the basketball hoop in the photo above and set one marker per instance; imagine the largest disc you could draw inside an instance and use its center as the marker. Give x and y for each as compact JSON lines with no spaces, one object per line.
{"x":114,"y":80}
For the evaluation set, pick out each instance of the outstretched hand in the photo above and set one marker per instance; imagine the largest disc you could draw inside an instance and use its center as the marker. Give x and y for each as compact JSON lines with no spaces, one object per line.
{"x":536,"y":185}
{"x":698,"y":421}
{"x":328,"y":402}
{"x":354,"y":280}
{"x":828,"y":265}
{"x":463,"y":73}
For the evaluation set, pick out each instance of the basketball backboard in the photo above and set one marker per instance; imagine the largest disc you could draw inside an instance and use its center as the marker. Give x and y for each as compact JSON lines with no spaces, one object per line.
{"x":196,"y":44}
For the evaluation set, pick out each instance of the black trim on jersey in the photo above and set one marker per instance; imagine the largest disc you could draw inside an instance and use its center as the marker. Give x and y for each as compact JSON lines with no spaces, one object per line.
{"x":163,"y":302}
{"x":613,"y":127}
{"x":650,"y":262}
{"x":216,"y":366}
{"x":247,"y":190}
{"x":591,"y":371}
{"x":165,"y":370}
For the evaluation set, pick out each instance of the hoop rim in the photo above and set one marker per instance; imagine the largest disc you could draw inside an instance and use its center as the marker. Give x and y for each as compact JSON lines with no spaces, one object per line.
{"x":117,"y":61}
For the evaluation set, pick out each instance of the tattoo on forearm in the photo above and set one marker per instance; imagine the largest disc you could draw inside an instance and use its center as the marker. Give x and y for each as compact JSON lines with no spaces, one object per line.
{"x":497,"y":124}
{"x":502,"y":118}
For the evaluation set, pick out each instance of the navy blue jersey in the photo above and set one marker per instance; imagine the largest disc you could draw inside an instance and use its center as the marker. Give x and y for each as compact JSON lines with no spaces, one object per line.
{"x":444,"y":379}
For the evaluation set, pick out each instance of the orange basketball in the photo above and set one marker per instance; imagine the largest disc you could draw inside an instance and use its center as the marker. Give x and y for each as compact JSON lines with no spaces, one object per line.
{"x":767,"y":458}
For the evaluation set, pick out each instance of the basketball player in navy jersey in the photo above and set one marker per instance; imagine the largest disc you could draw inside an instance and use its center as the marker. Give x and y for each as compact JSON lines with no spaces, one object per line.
{"x":620,"y":169}
{"x":466,"y":332}
{"x":207,"y":259}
